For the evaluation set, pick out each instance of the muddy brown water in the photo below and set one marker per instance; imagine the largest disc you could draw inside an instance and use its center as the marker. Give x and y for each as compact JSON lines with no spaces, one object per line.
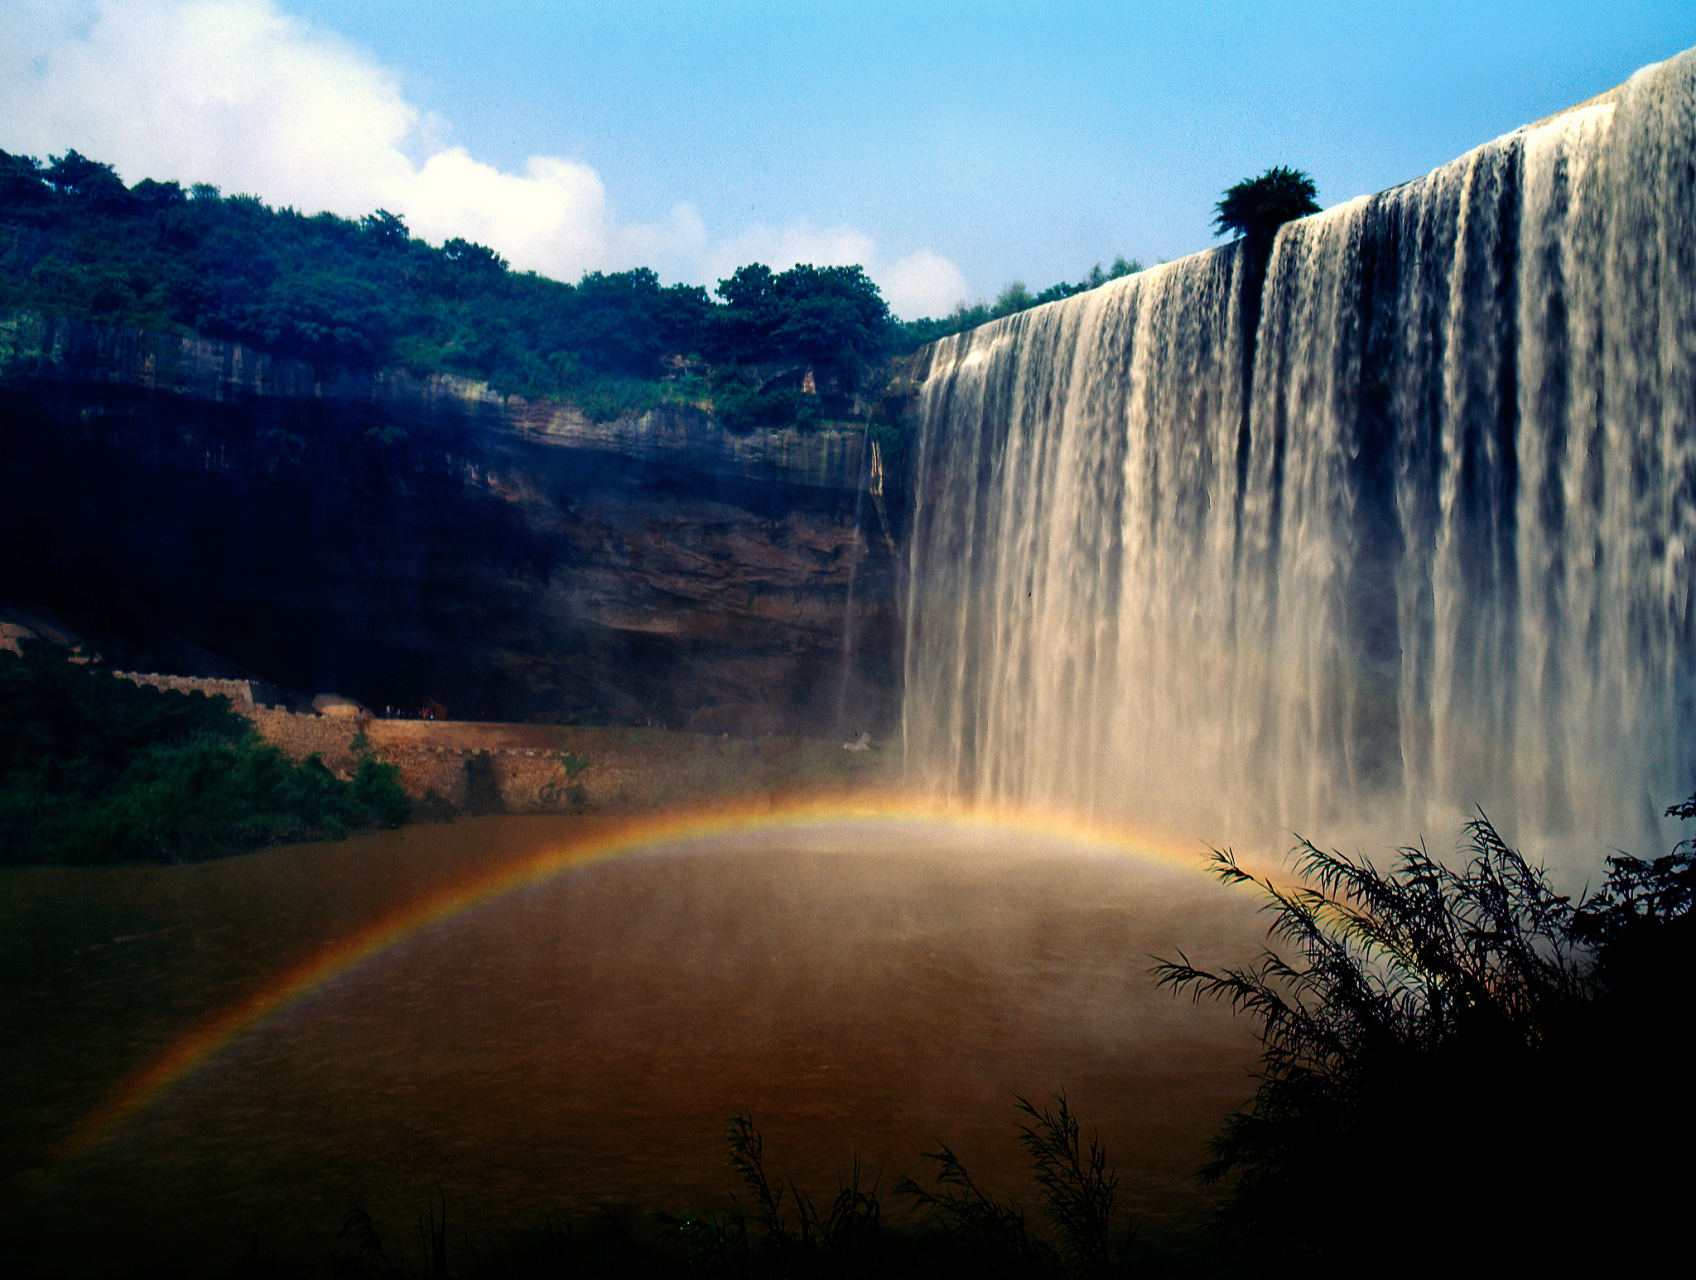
{"x":582,"y":1040}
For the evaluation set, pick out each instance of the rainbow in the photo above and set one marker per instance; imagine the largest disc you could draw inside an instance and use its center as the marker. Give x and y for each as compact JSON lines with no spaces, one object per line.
{"x":868,"y":814}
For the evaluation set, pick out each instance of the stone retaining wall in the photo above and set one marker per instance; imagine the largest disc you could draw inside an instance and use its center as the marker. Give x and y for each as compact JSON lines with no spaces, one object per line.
{"x":521,"y":778}
{"x":239,"y":692}
{"x":513,"y":778}
{"x":477,"y":766}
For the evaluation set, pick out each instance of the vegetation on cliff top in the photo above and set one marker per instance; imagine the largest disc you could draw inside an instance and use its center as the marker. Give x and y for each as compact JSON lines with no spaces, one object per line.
{"x":94,"y":769}
{"x":76,"y":242}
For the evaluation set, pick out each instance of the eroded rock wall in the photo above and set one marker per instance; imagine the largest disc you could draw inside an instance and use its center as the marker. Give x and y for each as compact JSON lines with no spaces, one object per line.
{"x":400,"y":539}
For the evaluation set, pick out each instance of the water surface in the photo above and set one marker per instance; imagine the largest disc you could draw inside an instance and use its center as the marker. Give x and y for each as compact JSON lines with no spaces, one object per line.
{"x":583,"y":1039}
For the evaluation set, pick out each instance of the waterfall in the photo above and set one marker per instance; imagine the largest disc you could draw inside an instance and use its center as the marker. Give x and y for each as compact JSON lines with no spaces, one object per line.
{"x":1424,"y":547}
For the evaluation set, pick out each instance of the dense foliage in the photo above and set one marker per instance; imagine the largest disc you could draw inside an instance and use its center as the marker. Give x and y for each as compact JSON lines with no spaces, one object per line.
{"x":1257,"y":207}
{"x":94,"y":769}
{"x":75,"y":241}
{"x":1458,"y":1063}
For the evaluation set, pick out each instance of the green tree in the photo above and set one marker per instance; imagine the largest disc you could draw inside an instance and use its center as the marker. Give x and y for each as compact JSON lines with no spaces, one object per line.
{"x":323,"y":316}
{"x":472,"y":256}
{"x":1122,"y":266}
{"x":616,"y":322}
{"x":1257,"y":207}
{"x":21,"y":181}
{"x":388,"y":229}
{"x":158,"y":195}
{"x":76,"y":175}
{"x":1014,"y":298}
{"x":832,"y":317}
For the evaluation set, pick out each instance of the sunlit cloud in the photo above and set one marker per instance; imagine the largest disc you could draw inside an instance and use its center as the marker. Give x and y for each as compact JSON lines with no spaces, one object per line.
{"x":241,"y":94}
{"x":232,"y":92}
{"x":783,"y":247}
{"x":556,"y":212}
{"x":922,"y":284}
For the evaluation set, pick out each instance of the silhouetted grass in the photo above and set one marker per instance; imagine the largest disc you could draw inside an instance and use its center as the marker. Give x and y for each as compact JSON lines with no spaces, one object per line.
{"x":974,"y":1232}
{"x":1077,"y":1191}
{"x":774,"y":1230}
{"x":781,"y":1232}
{"x":960,"y":1231}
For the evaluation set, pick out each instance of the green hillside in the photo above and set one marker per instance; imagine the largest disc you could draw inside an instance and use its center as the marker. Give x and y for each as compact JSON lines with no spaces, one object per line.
{"x":76,"y":242}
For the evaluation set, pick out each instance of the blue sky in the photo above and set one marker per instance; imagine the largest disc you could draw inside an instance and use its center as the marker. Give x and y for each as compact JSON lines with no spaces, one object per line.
{"x":948,"y":147}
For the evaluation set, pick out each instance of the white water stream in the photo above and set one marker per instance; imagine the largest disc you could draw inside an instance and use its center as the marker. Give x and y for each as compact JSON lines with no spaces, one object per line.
{"x":1443,"y":561}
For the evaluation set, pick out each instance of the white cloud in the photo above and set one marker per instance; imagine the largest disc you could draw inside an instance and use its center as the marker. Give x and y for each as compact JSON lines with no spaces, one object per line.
{"x":922,"y":284}
{"x":233,"y":92}
{"x":241,"y":94}
{"x":557,"y":211}
{"x":783,"y":247}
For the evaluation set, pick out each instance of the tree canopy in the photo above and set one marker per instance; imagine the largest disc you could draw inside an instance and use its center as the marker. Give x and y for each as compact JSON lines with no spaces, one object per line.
{"x":1257,"y":207}
{"x":365,"y":292}
{"x":831,"y":316}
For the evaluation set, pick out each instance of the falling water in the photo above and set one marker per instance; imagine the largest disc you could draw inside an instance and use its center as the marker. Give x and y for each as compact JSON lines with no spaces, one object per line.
{"x":1440,"y":559}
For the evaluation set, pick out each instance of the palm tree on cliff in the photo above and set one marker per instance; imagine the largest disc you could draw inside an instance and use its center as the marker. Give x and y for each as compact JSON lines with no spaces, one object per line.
{"x":1257,"y":207}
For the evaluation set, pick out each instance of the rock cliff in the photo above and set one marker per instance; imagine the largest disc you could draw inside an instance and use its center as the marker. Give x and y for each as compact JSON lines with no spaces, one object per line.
{"x":398,"y":538}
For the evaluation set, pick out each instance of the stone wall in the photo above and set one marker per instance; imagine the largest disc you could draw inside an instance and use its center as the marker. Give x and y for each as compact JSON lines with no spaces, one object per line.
{"x":301,"y":735}
{"x":239,"y":692}
{"x":517,"y":779}
{"x":524,"y":779}
{"x":463,"y":764}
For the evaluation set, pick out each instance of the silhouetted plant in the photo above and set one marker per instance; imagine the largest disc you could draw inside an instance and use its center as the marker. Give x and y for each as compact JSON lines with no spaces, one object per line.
{"x":980,"y":1232}
{"x":796,"y":1240}
{"x":987,"y":1237}
{"x":362,"y":1253}
{"x":1077,"y":1191}
{"x":1257,"y":207}
{"x":1640,"y":921}
{"x":1424,"y":1043}
{"x":433,"y":1233}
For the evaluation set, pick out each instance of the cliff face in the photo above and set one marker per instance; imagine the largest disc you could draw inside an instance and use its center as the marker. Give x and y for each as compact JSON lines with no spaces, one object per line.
{"x":397,"y":538}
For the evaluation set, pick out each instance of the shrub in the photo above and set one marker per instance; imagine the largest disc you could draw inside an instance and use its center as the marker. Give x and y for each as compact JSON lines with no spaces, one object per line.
{"x":769,"y":1238}
{"x":1429,"y":1043}
{"x":986,"y":1237}
{"x":94,"y":769}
